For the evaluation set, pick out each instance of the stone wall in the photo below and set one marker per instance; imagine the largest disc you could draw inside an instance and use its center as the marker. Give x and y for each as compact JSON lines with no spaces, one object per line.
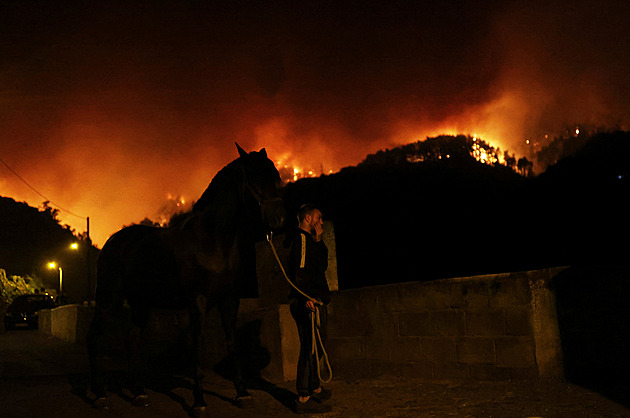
{"x":501,"y":326}
{"x":69,"y":322}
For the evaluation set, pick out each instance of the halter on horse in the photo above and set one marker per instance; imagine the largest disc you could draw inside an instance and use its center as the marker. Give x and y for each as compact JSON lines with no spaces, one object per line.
{"x":192,"y":265}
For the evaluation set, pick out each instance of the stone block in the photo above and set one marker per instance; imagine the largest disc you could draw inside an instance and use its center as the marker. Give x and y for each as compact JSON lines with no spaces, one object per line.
{"x":405,"y":349}
{"x":476,"y":294}
{"x":489,"y":372}
{"x":545,"y":326}
{"x":510,"y":291}
{"x":489,"y":322}
{"x":448,"y":322}
{"x":356,"y":325}
{"x":444,"y":295}
{"x":346,"y":303}
{"x":439,"y":350}
{"x":417,"y":369}
{"x":289,"y":343}
{"x":410,"y":297}
{"x":515,"y":352}
{"x":382,"y":324}
{"x":44,"y":321}
{"x":351,"y":368}
{"x":329,"y":239}
{"x":523,"y":373}
{"x":377,"y":349}
{"x":64,"y":322}
{"x":450,"y":371}
{"x":381,"y":298}
{"x":384,"y":368}
{"x":439,"y":294}
{"x":416,"y":324}
{"x":345,"y":348}
{"x":476,"y":350}
{"x":517,"y":321}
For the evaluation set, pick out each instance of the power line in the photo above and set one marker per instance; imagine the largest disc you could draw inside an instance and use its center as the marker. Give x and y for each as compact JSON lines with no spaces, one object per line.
{"x":61,"y":208}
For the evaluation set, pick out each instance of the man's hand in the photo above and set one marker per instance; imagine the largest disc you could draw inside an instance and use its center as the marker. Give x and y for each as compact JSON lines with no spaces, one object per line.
{"x":319,"y":230}
{"x":310,"y":304}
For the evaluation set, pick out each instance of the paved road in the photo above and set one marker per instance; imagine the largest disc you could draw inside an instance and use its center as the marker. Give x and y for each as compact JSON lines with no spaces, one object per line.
{"x":41,"y":376}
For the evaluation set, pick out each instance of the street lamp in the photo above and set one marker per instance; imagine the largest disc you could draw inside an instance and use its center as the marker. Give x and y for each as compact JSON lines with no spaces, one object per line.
{"x":52,"y":265}
{"x":75,"y":246}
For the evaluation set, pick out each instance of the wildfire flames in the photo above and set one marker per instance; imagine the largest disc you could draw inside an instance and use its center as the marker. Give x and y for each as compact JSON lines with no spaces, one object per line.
{"x":290,"y":171}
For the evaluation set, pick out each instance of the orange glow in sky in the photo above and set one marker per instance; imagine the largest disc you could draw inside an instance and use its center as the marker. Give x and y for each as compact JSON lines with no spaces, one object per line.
{"x":110,"y":109}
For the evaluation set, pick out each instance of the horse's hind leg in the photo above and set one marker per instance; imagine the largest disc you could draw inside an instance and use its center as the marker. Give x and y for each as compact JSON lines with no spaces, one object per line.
{"x":228,"y":308}
{"x":94,"y":340}
{"x":139,"y":320}
{"x":197,"y":315}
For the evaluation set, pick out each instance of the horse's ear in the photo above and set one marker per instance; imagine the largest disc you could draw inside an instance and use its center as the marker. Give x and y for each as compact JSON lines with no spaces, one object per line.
{"x":241,"y":151}
{"x":263,"y":152}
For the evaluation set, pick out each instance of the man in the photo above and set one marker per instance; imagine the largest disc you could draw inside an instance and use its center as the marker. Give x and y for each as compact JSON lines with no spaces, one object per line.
{"x":308,"y":261}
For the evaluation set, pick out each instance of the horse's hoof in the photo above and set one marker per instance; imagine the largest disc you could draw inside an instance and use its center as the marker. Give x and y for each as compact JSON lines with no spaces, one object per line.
{"x":245,"y":402}
{"x":103,"y":403}
{"x":199,"y":411}
{"x":141,"y":401}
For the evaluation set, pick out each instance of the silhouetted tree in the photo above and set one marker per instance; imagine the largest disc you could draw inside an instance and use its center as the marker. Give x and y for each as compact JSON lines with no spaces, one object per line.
{"x":510,"y":160}
{"x":525,"y":167}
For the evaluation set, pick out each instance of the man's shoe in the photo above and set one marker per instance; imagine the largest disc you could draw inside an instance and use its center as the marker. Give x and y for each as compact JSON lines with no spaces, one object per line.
{"x":311,"y":407}
{"x":322,"y":396}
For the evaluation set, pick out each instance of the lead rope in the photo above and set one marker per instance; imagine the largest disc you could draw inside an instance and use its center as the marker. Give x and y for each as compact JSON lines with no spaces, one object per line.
{"x":315,"y":321}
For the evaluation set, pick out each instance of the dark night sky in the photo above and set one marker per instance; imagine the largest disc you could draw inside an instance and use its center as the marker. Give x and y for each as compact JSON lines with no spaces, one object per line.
{"x":109,"y":108}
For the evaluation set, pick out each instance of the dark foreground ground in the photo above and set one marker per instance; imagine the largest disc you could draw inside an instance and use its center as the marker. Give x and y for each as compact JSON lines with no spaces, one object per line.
{"x":41,"y":376}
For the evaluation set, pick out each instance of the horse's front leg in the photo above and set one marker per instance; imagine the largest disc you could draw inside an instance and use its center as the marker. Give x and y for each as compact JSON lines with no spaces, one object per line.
{"x":228,"y":308}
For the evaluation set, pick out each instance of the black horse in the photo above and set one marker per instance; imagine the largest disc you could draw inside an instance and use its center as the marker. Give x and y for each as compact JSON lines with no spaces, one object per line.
{"x":192,"y":265}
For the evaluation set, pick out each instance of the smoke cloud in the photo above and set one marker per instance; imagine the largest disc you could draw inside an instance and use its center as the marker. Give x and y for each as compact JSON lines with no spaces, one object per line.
{"x":110,"y":109}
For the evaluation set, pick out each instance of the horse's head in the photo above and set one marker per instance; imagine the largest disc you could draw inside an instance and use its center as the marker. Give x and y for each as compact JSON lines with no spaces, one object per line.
{"x":262,"y":180}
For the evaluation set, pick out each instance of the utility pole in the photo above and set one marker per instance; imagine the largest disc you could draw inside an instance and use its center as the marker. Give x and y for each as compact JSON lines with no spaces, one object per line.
{"x":88,"y":247}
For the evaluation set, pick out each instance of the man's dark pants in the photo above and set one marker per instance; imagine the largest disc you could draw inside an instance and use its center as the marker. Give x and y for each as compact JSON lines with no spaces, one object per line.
{"x":307,"y":379}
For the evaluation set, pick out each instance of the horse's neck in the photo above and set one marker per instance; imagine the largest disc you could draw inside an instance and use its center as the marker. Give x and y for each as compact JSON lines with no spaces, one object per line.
{"x":223,"y":183}
{"x":218,"y":219}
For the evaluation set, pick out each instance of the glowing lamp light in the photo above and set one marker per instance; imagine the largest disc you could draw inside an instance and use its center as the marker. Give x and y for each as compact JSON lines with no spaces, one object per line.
{"x":74,"y":246}
{"x":53,"y":265}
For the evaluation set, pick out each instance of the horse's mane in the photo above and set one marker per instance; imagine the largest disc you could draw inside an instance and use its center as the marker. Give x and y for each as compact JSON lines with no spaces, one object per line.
{"x":216,"y":187}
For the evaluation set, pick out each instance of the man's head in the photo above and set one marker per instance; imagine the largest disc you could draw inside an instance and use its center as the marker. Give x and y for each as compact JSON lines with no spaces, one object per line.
{"x":310,"y":218}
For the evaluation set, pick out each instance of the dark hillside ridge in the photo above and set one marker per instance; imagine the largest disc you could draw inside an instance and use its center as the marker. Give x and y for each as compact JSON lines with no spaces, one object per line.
{"x":401,"y":221}
{"x":31,"y":238}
